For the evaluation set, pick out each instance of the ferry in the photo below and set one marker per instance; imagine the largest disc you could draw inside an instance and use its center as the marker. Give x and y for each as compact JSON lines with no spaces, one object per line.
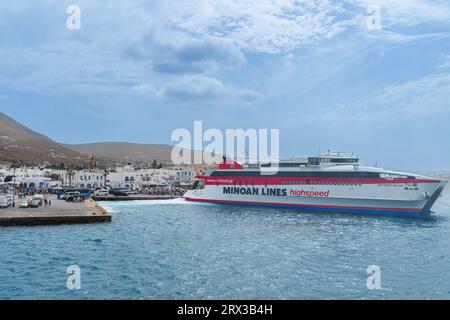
{"x":334,"y":183}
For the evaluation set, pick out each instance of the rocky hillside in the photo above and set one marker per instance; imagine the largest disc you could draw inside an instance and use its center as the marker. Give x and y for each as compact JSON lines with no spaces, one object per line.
{"x":25,"y":146}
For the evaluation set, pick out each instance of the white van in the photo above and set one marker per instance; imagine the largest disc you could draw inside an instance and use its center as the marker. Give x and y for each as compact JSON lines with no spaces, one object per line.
{"x":4,"y":203}
{"x":101,"y":193}
{"x":72,"y":194}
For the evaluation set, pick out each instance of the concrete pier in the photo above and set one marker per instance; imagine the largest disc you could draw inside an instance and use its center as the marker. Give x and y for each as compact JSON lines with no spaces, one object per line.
{"x":133,"y":197}
{"x":60,"y":212}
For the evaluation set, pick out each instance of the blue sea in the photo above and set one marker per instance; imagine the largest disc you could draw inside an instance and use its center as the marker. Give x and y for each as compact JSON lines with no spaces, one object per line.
{"x":177,"y":250}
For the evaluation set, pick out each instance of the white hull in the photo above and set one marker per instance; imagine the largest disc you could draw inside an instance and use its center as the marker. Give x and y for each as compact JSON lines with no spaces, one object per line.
{"x":387,"y":198}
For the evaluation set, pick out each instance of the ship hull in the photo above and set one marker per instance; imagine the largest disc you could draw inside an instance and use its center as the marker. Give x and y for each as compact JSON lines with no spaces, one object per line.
{"x":389,"y":199}
{"x":397,"y":212}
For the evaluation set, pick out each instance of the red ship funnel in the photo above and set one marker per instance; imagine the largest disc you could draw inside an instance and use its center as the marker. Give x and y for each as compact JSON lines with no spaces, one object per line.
{"x":231,"y":165}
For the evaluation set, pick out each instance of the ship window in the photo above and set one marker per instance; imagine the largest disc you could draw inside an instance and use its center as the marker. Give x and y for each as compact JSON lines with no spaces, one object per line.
{"x":302,"y":174}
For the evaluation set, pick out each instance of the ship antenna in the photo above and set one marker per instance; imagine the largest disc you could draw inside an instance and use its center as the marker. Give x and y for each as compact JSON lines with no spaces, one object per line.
{"x":247,"y":159}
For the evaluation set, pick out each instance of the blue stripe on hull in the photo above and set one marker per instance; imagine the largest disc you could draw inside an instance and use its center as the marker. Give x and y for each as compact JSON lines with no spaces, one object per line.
{"x":331,"y":210}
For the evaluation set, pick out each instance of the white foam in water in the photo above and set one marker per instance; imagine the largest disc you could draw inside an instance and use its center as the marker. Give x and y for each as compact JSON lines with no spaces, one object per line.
{"x":178,"y":201}
{"x":159,"y":202}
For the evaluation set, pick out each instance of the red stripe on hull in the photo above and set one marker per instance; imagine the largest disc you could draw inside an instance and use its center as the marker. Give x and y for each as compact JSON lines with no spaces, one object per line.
{"x":302,"y":205}
{"x":287,"y":181}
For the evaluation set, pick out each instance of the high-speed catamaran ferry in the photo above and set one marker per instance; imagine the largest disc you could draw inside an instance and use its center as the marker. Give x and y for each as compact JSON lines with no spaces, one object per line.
{"x":328,"y":183}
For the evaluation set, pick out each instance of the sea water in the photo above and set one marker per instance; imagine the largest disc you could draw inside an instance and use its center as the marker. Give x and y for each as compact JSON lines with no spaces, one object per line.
{"x":178,"y":250}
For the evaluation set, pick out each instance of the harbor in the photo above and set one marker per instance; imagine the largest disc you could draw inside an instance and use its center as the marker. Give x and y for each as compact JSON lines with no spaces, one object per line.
{"x":59,"y":212}
{"x":155,"y":250}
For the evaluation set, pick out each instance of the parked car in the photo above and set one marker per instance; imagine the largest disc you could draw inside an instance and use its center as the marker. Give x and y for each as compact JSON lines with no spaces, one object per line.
{"x":3,"y":203}
{"x":60,"y":193}
{"x":10,"y":200}
{"x":23,"y":203}
{"x":40,"y":198}
{"x":101,"y":193}
{"x":71,"y":195}
{"x":84,"y":192}
{"x":35,"y":203}
{"x":120,"y":192}
{"x":75,"y":196}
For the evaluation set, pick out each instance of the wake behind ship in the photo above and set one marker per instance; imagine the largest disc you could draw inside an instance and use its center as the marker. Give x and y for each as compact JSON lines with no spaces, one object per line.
{"x":328,"y":183}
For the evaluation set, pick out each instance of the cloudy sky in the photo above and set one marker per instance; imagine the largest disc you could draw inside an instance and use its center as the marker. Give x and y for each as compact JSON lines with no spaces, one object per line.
{"x":137,"y":70}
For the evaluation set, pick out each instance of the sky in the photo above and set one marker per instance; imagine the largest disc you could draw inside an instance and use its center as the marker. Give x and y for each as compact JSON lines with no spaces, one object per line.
{"x":137,"y":70}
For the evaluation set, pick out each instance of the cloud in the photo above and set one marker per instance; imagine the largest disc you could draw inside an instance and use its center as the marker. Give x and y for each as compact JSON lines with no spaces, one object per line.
{"x":407,"y":13}
{"x":178,"y":52}
{"x":65,"y":66}
{"x":198,"y":89}
{"x":427,"y":96}
{"x":445,"y":61}
{"x":397,"y":38}
{"x":419,"y":99}
{"x":177,"y":42}
{"x":402,"y":21}
{"x":259,"y":26}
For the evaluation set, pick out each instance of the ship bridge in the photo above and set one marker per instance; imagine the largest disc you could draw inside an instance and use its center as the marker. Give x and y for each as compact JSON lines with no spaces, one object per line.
{"x":328,"y":160}
{"x":337,"y":159}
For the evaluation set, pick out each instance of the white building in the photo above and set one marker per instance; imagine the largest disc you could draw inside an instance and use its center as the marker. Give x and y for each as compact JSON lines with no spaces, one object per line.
{"x":27,"y":177}
{"x":124,"y":177}
{"x":121,"y":177}
{"x":128,"y":177}
{"x":85,"y":179}
{"x":166,"y":176}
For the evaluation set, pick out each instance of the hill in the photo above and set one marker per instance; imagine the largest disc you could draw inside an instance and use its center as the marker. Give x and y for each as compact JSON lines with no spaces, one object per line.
{"x":121,"y":152}
{"x":19,"y":144}
{"x":25,"y":146}
{"x":124,"y":151}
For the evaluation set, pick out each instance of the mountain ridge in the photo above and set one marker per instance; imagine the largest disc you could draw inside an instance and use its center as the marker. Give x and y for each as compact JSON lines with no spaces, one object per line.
{"x":125,"y":151}
{"x":22,"y":145}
